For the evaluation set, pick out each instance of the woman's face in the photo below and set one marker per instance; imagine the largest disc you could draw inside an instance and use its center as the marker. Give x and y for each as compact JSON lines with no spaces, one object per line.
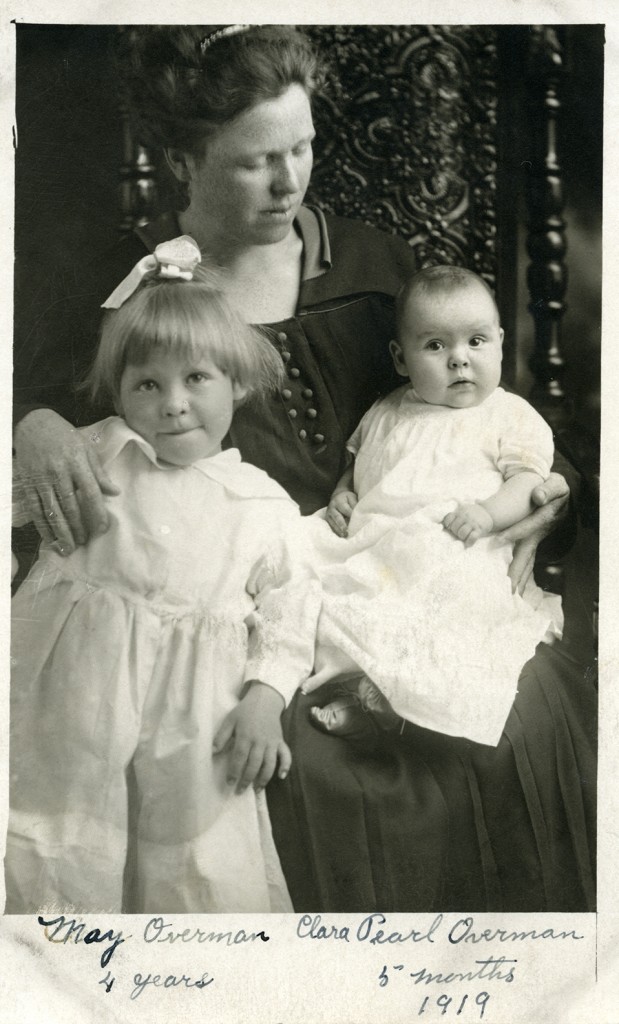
{"x":250,"y":183}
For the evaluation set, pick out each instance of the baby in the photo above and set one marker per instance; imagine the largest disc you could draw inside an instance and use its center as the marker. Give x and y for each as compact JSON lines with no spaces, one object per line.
{"x":419,"y":621}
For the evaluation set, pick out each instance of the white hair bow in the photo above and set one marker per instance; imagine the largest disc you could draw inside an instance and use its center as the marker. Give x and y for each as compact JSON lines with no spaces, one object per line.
{"x":177,"y":258}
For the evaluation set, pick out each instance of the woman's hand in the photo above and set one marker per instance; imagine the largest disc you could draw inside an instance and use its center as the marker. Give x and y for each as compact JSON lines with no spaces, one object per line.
{"x":552,"y":499}
{"x":62,"y":480}
{"x":254,"y":729}
{"x":339,"y":511}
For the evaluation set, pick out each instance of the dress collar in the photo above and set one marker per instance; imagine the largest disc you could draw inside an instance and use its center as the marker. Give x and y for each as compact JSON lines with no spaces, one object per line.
{"x":113,"y":435}
{"x":312,"y":227}
{"x":310,"y":223}
{"x":225,"y":468}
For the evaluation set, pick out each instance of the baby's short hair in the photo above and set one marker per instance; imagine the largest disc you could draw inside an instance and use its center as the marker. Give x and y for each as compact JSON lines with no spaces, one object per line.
{"x":435,"y":281}
{"x":191,"y":318}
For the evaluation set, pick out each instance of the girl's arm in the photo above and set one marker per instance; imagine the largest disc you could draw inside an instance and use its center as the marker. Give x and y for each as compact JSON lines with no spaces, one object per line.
{"x":254,"y":728}
{"x":509,"y":505}
{"x":282,"y":630}
{"x":343,"y":500}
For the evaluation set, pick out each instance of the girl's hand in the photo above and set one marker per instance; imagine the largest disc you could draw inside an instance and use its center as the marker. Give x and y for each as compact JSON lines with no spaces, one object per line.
{"x":339,"y":511}
{"x":552,"y":499}
{"x":254,"y":729}
{"x":469,"y":522}
{"x":62,"y":480}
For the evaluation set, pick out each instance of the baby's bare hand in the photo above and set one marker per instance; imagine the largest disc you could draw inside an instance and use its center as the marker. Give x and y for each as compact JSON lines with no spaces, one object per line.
{"x":339,"y":511}
{"x":469,"y":522}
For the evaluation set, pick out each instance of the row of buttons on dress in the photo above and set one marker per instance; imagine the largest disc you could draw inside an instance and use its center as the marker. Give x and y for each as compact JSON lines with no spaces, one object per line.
{"x":294,"y":373}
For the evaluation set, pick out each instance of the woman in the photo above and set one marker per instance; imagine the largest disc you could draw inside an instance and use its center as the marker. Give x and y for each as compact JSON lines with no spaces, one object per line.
{"x":428,"y":822}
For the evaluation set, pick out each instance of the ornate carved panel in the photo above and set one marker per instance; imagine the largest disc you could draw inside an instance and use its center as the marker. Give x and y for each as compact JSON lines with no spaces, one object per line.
{"x":407,"y":139}
{"x":407,"y":136}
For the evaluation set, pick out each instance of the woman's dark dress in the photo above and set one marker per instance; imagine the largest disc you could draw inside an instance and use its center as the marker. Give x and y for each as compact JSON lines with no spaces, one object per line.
{"x":425,"y":822}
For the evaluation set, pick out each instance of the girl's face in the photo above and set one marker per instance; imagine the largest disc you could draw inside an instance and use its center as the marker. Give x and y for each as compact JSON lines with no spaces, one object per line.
{"x":182,"y":407}
{"x":451,"y":346}
{"x":250,"y":183}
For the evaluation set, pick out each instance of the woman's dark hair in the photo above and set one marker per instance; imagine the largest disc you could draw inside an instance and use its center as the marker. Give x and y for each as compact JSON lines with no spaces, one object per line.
{"x":179,"y":91}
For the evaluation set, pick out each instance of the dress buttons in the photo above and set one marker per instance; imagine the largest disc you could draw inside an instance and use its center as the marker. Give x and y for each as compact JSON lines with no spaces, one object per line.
{"x":286,"y":356}
{"x":294,"y":372}
{"x":312,"y":414}
{"x":282,"y":336}
{"x":286,"y":393}
{"x":303,"y":434}
{"x":308,"y":393}
{"x":319,"y":438}
{"x":292,"y":413}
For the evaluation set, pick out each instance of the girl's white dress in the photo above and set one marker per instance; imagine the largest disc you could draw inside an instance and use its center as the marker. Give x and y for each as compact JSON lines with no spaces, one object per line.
{"x":433,"y":623}
{"x":126,"y":656}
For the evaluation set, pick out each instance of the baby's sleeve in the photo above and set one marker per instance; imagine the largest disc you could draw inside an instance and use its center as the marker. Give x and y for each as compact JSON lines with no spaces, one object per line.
{"x":287,"y":595}
{"x":362,"y":429}
{"x":525,"y":441}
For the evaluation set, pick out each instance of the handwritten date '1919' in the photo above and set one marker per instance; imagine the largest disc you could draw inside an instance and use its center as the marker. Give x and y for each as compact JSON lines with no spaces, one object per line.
{"x":444,"y":1002}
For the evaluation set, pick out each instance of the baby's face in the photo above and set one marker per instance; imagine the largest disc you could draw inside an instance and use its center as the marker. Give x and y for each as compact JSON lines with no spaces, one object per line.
{"x":182,"y":407}
{"x":451,"y":346}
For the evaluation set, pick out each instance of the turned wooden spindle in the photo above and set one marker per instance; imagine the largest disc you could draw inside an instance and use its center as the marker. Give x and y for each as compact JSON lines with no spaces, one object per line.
{"x":138,"y":176}
{"x":546,"y":244}
{"x":138,"y":184}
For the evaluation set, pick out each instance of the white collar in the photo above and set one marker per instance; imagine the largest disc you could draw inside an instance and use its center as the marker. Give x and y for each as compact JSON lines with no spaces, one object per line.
{"x":225,"y":467}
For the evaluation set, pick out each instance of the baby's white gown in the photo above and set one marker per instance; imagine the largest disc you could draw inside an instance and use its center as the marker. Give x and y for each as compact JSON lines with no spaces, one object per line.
{"x":126,"y":657}
{"x":433,"y":623}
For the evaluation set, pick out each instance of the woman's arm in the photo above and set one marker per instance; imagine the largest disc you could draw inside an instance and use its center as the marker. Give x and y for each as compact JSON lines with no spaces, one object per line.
{"x":62,"y":480}
{"x":551,"y":500}
{"x":56,"y":332}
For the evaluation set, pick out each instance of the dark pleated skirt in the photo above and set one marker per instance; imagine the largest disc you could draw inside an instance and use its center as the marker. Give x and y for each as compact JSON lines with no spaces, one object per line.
{"x":427,"y":822}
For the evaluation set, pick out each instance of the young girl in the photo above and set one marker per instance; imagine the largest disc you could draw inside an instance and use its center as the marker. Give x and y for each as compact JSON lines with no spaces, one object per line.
{"x":418,"y":596}
{"x":150,"y":667}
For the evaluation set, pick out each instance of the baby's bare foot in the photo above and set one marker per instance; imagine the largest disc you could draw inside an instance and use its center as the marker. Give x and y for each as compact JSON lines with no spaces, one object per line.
{"x":344,"y":718}
{"x":358,"y":709}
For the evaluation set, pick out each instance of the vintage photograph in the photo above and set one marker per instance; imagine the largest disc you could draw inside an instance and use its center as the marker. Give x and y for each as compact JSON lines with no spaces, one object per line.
{"x":306,"y":469}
